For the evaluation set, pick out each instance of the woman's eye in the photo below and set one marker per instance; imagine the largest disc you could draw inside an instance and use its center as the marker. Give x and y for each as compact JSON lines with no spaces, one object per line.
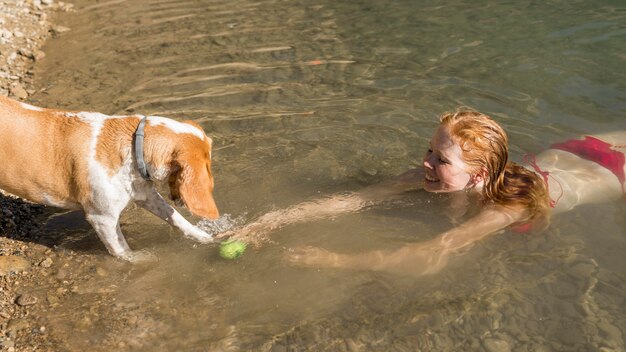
{"x":442,"y":161}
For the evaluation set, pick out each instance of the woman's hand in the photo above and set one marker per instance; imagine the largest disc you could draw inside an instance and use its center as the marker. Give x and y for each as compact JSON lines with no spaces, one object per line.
{"x":255,"y":233}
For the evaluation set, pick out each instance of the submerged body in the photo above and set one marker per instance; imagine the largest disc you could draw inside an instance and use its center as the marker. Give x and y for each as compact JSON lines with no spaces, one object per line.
{"x":577,"y":173}
{"x":469,"y":153}
{"x":84,"y":160}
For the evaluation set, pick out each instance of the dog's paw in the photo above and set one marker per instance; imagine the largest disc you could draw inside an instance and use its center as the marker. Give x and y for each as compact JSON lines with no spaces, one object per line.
{"x":141,"y":256}
{"x":204,"y":239}
{"x":200,"y":236}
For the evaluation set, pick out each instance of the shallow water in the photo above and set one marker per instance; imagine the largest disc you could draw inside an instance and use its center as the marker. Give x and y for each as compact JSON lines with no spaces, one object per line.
{"x":307,"y":99}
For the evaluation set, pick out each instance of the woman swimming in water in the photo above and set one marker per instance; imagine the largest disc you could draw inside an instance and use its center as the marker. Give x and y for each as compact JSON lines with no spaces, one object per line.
{"x":469,"y":152}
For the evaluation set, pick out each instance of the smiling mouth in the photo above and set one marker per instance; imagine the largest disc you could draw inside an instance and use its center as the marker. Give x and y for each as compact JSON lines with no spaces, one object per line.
{"x":430,"y":178}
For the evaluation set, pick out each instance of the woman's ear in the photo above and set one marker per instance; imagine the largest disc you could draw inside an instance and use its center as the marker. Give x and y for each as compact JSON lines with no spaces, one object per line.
{"x":194,"y":184}
{"x":478,"y":179}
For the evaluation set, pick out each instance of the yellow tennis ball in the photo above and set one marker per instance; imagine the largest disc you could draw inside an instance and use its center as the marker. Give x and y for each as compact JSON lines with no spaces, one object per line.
{"x":232,"y":249}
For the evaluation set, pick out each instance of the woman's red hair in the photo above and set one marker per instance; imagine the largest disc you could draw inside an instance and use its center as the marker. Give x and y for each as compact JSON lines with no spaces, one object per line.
{"x":485,"y":149}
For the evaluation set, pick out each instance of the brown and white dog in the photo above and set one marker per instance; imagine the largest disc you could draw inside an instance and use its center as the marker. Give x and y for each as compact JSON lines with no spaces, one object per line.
{"x":89,"y":161}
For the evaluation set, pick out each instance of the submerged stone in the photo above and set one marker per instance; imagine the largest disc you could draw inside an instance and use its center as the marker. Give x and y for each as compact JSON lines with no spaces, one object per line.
{"x":13,"y":264}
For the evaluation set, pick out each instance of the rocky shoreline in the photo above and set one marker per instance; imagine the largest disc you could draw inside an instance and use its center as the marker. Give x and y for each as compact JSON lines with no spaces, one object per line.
{"x":24,"y":27}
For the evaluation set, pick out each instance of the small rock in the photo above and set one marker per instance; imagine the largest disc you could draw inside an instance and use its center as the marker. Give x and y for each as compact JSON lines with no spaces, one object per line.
{"x":56,"y":30}
{"x":47,"y":2}
{"x":17,"y":324}
{"x":12,"y":264}
{"x":46,"y":263}
{"x":496,"y":345}
{"x":583,"y":270}
{"x":5,"y":34}
{"x":609,"y":331}
{"x":38,"y":55}
{"x":26,"y":300}
{"x":52,"y":299}
{"x":26,"y":53}
{"x":8,"y":344}
{"x":18,"y":91}
{"x":101,"y":272}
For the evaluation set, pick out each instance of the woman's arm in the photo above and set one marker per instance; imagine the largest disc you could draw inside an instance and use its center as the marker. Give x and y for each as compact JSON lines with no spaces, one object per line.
{"x":419,"y":258}
{"x":256,"y":231}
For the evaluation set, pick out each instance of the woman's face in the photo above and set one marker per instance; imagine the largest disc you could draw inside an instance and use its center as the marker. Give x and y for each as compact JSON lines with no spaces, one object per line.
{"x":445,"y":169}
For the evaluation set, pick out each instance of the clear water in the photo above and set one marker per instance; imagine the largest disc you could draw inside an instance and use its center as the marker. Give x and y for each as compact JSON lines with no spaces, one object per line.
{"x":305,"y":99}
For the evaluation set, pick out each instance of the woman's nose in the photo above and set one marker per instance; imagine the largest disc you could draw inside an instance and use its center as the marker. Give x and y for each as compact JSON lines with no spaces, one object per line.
{"x":427,"y":163}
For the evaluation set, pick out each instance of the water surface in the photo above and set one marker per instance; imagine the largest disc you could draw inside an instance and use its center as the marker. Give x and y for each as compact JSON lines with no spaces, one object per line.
{"x":305,"y":99}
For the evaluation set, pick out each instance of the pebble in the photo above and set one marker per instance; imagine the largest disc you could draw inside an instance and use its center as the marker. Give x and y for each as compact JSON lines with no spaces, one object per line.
{"x":26,"y":300}
{"x":583,"y":270}
{"x":52,"y":299}
{"x":496,"y":345}
{"x":38,"y":55}
{"x":46,"y":263}
{"x":355,"y":346}
{"x":18,"y":91}
{"x":59,"y":29}
{"x":13,"y":264}
{"x":610,"y":331}
{"x":17,"y":324}
{"x":26,"y":53}
{"x":5,"y":34}
{"x":101,"y":272}
{"x":8,"y":344}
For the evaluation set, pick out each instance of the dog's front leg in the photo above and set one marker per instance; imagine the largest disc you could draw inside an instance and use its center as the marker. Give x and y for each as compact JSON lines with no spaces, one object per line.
{"x":155,"y":204}
{"x":108,"y":229}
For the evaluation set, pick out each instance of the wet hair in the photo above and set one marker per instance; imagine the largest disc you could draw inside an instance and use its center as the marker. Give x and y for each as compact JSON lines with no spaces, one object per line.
{"x":485,"y":150}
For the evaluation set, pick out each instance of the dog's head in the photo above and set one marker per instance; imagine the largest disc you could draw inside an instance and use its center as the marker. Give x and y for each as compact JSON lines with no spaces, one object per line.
{"x":191,"y":180}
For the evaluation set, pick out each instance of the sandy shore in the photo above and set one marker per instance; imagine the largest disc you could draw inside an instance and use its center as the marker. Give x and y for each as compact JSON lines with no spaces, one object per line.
{"x":24,"y":27}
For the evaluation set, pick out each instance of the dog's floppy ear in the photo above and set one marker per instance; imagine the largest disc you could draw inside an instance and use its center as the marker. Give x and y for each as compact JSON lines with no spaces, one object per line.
{"x":193,"y":183}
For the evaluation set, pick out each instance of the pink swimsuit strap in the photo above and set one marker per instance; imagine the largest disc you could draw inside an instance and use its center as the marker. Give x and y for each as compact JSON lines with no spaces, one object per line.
{"x":531,"y":160}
